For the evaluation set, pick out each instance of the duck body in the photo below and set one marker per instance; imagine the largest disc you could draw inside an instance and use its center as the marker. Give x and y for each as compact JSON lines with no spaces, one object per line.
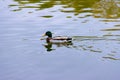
{"x":56,"y":38}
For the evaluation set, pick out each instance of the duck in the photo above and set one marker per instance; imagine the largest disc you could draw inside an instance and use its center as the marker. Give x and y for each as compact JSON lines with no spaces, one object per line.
{"x":50,"y":38}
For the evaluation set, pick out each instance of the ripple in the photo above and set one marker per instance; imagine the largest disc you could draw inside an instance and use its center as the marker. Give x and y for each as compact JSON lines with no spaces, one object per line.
{"x":111,"y":58}
{"x":47,"y":16}
{"x":112,"y":29}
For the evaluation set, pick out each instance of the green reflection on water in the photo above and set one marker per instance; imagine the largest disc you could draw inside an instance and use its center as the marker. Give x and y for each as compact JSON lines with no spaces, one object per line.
{"x":106,"y":9}
{"x":47,"y":16}
{"x":99,"y":8}
{"x":78,"y":5}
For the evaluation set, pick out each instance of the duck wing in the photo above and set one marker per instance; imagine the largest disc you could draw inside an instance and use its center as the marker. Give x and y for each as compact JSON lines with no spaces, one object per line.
{"x":61,"y":38}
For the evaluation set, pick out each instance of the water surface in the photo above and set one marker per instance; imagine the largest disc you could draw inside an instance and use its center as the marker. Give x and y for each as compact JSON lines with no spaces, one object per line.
{"x":93,"y":54}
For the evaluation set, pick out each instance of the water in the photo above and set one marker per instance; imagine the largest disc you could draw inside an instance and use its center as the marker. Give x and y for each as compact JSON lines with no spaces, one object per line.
{"x":93,"y":54}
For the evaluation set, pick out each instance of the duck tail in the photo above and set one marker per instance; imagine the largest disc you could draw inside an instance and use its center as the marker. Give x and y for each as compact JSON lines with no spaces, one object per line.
{"x":68,"y":39}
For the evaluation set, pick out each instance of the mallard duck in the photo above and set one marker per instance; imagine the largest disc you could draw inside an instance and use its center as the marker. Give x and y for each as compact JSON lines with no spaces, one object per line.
{"x":56,"y":38}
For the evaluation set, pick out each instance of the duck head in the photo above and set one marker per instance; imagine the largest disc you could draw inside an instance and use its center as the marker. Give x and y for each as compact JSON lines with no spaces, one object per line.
{"x":49,"y":34}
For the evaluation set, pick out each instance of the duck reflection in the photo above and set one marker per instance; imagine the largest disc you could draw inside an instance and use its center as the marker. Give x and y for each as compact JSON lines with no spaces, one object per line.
{"x":49,"y":45}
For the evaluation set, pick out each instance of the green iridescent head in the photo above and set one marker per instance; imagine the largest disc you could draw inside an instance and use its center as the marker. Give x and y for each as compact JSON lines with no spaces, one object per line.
{"x":49,"y":34}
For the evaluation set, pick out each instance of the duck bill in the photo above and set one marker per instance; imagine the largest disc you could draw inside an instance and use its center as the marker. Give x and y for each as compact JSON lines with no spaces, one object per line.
{"x":43,"y":35}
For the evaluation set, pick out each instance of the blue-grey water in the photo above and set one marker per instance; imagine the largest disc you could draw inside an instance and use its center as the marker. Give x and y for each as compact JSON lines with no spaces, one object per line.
{"x":94,"y":53}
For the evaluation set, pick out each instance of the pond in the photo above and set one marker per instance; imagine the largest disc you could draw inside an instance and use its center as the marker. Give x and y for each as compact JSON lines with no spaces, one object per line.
{"x":93,"y":54}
